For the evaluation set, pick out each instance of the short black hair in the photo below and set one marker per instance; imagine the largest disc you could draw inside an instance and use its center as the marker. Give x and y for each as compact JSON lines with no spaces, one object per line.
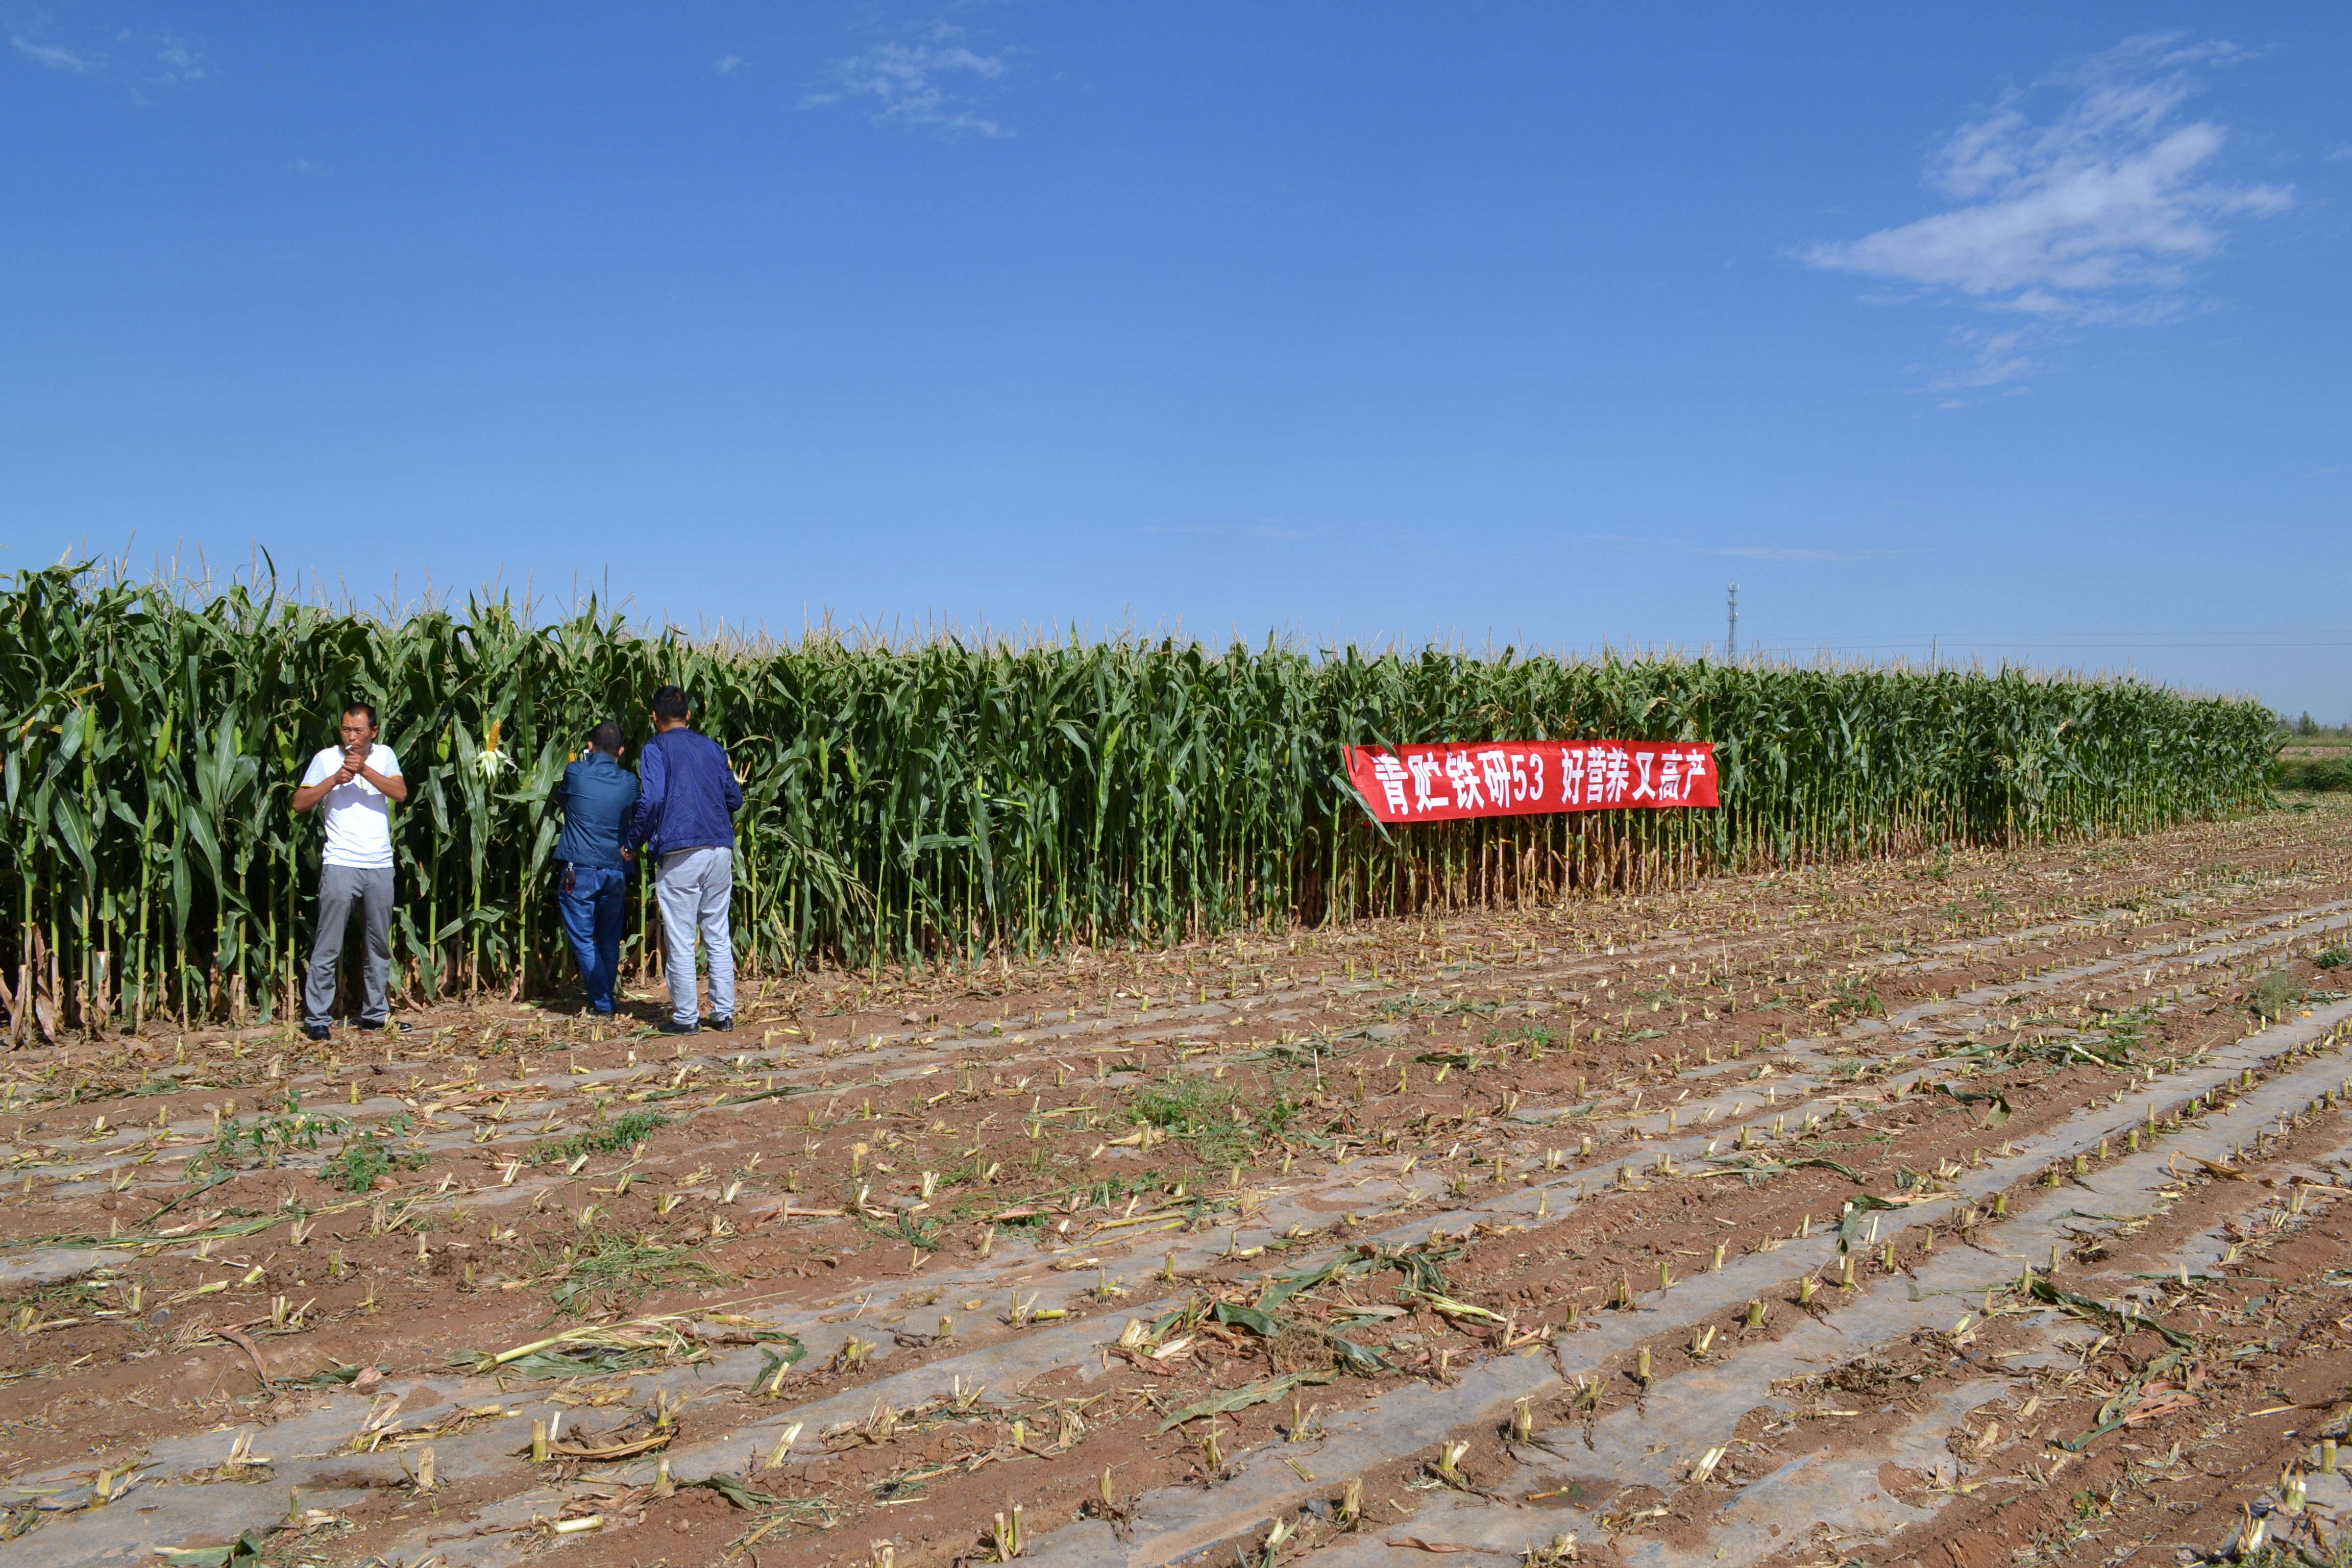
{"x":670,"y":702}
{"x":605,"y":737}
{"x":366,"y":707}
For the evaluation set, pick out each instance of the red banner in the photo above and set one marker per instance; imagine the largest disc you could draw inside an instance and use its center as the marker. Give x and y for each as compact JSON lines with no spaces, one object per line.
{"x":1522,"y":778}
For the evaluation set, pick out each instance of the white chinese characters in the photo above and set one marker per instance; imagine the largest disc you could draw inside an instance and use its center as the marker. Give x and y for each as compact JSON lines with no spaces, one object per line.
{"x":1444,"y":781}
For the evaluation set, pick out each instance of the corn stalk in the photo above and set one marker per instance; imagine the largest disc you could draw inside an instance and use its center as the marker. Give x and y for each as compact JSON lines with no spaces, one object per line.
{"x":944,"y":800}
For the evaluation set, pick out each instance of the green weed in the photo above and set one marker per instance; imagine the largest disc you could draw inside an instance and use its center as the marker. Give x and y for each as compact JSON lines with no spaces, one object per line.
{"x":608,"y":1270}
{"x":621,"y":1132}
{"x":2274,"y":996}
{"x":1853,"y":997}
{"x":268,"y":1135}
{"x":922,"y":1234}
{"x":1211,"y":1117}
{"x":368,"y":1153}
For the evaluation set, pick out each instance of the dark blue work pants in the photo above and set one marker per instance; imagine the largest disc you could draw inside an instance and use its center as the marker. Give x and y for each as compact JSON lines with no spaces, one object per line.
{"x":592,"y":899}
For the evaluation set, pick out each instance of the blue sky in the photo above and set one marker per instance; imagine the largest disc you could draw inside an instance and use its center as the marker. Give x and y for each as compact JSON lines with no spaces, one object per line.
{"x":2017,"y":330}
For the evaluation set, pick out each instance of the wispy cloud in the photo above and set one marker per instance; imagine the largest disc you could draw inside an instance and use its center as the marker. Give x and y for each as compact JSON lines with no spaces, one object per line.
{"x":58,"y":57}
{"x":2095,"y":216}
{"x":179,"y":62}
{"x":153,"y":59}
{"x":1997,"y":359}
{"x":931,"y":78}
{"x":727,"y":65}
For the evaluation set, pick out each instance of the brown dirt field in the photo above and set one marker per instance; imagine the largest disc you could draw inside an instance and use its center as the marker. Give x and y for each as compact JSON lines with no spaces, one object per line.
{"x":903,"y":1253}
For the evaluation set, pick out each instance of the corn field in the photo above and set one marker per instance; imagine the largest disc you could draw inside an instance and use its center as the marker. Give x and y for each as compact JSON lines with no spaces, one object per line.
{"x":946,"y":800}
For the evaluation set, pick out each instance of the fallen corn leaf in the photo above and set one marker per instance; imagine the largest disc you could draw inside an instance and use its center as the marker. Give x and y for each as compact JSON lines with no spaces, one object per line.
{"x":1242,"y":1398}
{"x":614,"y":1451}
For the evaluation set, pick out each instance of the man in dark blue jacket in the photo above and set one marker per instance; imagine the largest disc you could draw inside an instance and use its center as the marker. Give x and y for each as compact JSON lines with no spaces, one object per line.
{"x":687,"y":811}
{"x":600,"y":801}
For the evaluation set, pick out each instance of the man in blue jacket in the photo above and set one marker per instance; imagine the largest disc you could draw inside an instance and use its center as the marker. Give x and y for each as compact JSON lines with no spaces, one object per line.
{"x":600,"y":801}
{"x":687,"y":812}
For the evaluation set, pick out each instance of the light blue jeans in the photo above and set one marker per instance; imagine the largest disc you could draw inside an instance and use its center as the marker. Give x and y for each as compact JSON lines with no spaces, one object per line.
{"x":694,"y":887}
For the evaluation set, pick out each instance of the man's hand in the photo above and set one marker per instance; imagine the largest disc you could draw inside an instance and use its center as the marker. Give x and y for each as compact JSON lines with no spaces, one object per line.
{"x":355,"y":764}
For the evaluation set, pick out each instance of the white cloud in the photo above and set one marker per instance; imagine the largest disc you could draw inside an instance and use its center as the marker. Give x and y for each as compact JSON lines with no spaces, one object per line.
{"x":57,"y":58}
{"x":175,"y":61}
{"x":2096,"y":216}
{"x":2340,"y":155}
{"x":180,"y":62}
{"x":727,"y":65}
{"x":1999,"y":358}
{"x":925,"y":82}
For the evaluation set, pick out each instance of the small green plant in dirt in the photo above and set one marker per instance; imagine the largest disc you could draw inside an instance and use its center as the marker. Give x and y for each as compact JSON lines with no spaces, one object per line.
{"x":2335,"y":957}
{"x":268,"y":1135}
{"x":1107,"y":1193}
{"x":1211,"y":1117}
{"x":2129,"y":1031}
{"x":2274,"y":996}
{"x":608,"y":1270}
{"x":621,"y":1132}
{"x":920,"y":1234}
{"x":1445,"y":1006}
{"x":1853,"y":997}
{"x":365,"y":1156}
{"x":1181,"y":1101}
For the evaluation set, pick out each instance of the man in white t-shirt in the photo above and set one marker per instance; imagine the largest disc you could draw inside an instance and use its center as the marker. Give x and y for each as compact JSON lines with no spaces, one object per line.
{"x":358,"y":781}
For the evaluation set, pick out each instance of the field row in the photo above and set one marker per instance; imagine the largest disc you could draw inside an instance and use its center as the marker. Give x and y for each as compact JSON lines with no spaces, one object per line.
{"x":1715,"y":1226}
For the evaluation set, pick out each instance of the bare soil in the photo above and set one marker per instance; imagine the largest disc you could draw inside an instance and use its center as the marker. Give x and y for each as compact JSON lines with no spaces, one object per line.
{"x":904,"y":1253}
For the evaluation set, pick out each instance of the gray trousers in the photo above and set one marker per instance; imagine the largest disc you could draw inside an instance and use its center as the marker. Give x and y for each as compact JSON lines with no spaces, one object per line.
{"x":693,"y":888}
{"x":339,"y":888}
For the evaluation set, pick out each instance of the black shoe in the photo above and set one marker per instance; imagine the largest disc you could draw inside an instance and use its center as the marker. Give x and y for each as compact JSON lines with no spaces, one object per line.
{"x":388,"y":1026}
{"x":672,"y":1027}
{"x":318,"y":1031}
{"x":721,"y":1025}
